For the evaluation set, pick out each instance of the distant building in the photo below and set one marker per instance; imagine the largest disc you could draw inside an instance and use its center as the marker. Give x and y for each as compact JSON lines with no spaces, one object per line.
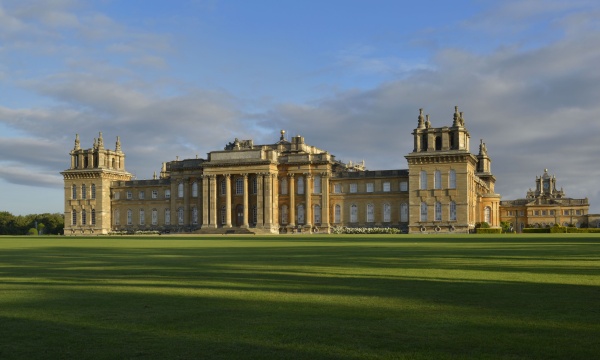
{"x":287,"y":186}
{"x":546,"y":206}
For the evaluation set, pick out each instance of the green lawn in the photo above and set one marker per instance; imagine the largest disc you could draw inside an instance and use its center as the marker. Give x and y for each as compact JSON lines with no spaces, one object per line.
{"x":300,"y":297}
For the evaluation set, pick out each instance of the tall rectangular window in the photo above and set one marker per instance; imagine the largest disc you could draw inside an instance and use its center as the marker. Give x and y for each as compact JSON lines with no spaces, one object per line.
{"x":142,"y":217}
{"x":437,"y":180}
{"x":370,"y":187}
{"x":74,"y":218}
{"x":370,"y":213}
{"x":93,"y":217}
{"x":155,"y":194}
{"x":239,"y":186}
{"x":423,"y":211}
{"x":154,"y":217}
{"x":404,"y":212}
{"x":438,"y":211}
{"x":452,"y":211}
{"x":337,"y":188}
{"x":129,"y":217}
{"x":284,"y":186}
{"x":93,"y":188}
{"x":452,"y":179}
{"x":129,"y":195}
{"x":167,"y":216}
{"x":353,"y":213}
{"x":142,"y":195}
{"x":167,"y":194}
{"x":195,"y":189}
{"x":195,"y":215}
{"x":403,"y":186}
{"x":317,"y":185}
{"x":387,"y":213}
{"x":300,"y":185}
{"x":386,"y":186}
{"x":423,"y":180}
{"x":180,"y":190}
{"x":74,"y":192}
{"x":353,"y":188}
{"x":83,"y":192}
{"x":337,"y":215}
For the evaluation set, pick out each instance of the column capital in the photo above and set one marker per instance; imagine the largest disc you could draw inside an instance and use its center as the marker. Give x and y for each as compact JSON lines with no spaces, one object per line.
{"x":308,"y":175}
{"x":325,"y":174}
{"x":244,"y":175}
{"x":291,"y":175}
{"x":227,"y":176}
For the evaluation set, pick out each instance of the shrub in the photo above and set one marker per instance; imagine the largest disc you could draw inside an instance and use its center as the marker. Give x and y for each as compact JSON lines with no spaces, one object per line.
{"x":557,"y":229}
{"x":32,"y":231}
{"x":536,"y":230}
{"x":483,"y":230}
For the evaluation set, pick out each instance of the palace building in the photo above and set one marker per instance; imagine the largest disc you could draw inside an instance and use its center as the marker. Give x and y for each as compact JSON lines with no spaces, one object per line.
{"x":287,"y":186}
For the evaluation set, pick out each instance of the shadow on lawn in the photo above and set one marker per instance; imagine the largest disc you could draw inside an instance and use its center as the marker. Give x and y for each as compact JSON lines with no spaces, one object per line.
{"x":372,"y":301}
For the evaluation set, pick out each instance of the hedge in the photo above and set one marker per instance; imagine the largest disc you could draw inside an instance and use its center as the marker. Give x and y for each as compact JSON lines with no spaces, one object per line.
{"x":488,"y":230}
{"x":537,"y":230}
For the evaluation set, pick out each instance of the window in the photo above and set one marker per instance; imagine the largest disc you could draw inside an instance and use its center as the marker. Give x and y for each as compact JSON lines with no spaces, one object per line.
{"x":387,"y":213}
{"x":167,"y":216}
{"x":284,"y":186}
{"x":509,"y":213}
{"x":452,"y":211}
{"x":194,"y":216}
{"x":129,"y":195}
{"x":254,"y":215}
{"x":300,"y":185}
{"x":284,"y":214}
{"x":167,"y":194}
{"x":552,"y":212}
{"x":404,"y":212}
{"x":155,"y":194}
{"x":74,"y":219}
{"x":369,"y":187}
{"x":577,"y":212}
{"x":353,"y":213}
{"x":565,"y":212}
{"x":142,"y":195}
{"x":180,"y":216}
{"x":180,"y":190}
{"x":129,"y":217}
{"x":403,"y":186}
{"x":142,"y":217}
{"x":544,"y":212}
{"x":254,"y":185}
{"x":93,"y":217}
{"x":154,"y":217}
{"x":370,"y":213}
{"x":93,"y":188}
{"x":423,"y":180}
{"x":386,"y":187}
{"x":317,"y":214}
{"x":74,"y":192}
{"x":117,"y":195}
{"x":437,"y":179}
{"x":521,"y":213}
{"x":487,"y":214}
{"x":536,"y":212}
{"x":300,"y":214}
{"x":452,"y":179}
{"x":337,"y":214}
{"x":438,"y":211}
{"x":353,"y":188}
{"x":83,"y":192}
{"x":239,"y":186}
{"x":423,"y":211}
{"x":337,"y":188}
{"x":195,"y":189}
{"x":317,"y":185}
{"x":223,"y":187}
{"x":117,"y":217}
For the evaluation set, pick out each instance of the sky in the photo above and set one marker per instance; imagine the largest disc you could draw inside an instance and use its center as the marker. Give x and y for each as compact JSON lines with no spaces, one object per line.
{"x":183,"y":78}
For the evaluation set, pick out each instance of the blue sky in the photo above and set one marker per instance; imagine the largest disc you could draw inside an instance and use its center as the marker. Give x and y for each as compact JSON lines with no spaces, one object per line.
{"x":182,"y":78}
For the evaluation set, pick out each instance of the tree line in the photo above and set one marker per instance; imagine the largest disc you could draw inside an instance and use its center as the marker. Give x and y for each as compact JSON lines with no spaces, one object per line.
{"x":33,"y":224}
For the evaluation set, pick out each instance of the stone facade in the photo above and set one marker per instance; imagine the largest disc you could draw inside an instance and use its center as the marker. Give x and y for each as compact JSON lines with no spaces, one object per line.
{"x":546,"y":206}
{"x":288,"y":186}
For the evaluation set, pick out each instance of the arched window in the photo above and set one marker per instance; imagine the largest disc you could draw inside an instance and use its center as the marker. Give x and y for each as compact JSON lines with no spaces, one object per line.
{"x":154,"y":217}
{"x":300,"y":185}
{"x":404,"y":212}
{"x":180,"y":216}
{"x":452,"y":179}
{"x":353,"y":213}
{"x":74,"y":192}
{"x":337,"y":214}
{"x":438,"y":211}
{"x":317,"y":214}
{"x":239,"y":186}
{"x":452,"y":211}
{"x":83,"y":192}
{"x":300,"y":214}
{"x":180,"y":190}
{"x":93,"y":189}
{"x":74,"y":218}
{"x":93,"y":217}
{"x":423,"y":211}
{"x":487,"y":214}
{"x":284,"y":214}
{"x":317,"y":185}
{"x":117,"y":217}
{"x":387,"y":213}
{"x":167,"y":216}
{"x":195,"y":215}
{"x":142,"y":217}
{"x":423,"y":180}
{"x":370,"y":213}
{"x":129,"y":217}
{"x":284,"y":186}
{"x":438,"y":143}
{"x":195,"y":189}
{"x":437,"y":179}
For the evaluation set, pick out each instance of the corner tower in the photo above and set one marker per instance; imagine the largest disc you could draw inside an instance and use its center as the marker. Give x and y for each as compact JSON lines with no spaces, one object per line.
{"x":445,"y":189}
{"x":87,"y":187}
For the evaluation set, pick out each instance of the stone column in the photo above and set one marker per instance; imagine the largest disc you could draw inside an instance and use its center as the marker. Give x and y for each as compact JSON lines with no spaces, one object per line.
{"x":292,"y":210}
{"x":325,"y":200}
{"x":308,"y":193}
{"x":245,"y":222}
{"x":268,"y":201}
{"x":275,"y":207}
{"x":205,"y":211}
{"x":213,"y":201}
{"x":227,"y":200}
{"x":259,"y":200}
